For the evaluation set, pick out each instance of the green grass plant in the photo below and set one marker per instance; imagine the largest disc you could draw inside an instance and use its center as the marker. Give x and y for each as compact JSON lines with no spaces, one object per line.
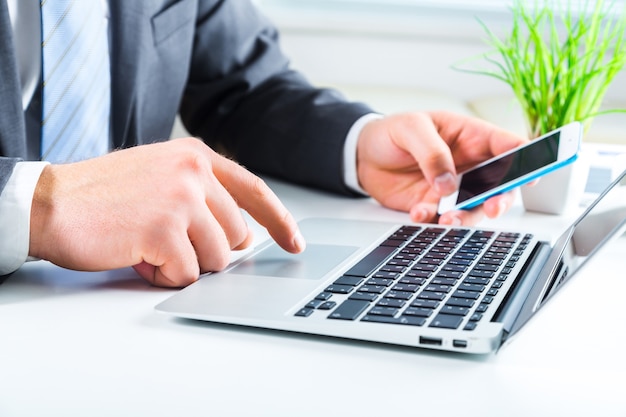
{"x":559,"y":58}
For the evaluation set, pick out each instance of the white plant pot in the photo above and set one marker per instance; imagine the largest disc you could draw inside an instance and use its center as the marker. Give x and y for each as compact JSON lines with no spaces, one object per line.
{"x":560,"y":191}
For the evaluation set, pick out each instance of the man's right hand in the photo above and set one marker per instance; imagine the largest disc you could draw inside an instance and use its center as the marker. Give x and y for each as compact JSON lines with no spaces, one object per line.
{"x":171,"y":210}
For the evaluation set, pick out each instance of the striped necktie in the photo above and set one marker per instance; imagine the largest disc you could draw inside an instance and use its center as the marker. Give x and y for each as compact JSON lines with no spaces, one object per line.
{"x":76,"y":80}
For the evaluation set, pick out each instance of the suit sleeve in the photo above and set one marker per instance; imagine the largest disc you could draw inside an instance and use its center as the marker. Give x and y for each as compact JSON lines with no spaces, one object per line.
{"x":243,"y":99}
{"x":6,"y":169}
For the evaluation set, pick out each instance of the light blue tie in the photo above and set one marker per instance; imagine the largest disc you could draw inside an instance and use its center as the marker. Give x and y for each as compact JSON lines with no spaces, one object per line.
{"x":76,"y":80}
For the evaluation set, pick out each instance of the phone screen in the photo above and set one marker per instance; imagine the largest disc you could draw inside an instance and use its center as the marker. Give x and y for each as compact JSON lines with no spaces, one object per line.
{"x":537,"y":154}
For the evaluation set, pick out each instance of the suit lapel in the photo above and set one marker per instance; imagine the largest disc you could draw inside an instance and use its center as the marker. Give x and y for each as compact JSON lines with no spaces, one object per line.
{"x":12,"y":131}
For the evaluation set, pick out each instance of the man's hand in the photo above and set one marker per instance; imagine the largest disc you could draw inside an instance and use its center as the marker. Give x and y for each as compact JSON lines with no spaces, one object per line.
{"x":409,"y":161}
{"x":171,"y":210}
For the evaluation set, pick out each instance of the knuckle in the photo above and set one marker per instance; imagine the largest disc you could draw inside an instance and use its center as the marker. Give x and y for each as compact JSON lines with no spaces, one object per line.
{"x":191,"y":156}
{"x":219,"y":260}
{"x":238,"y":236}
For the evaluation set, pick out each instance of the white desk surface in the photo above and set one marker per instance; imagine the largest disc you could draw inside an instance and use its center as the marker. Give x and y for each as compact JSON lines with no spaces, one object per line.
{"x":90,"y":344}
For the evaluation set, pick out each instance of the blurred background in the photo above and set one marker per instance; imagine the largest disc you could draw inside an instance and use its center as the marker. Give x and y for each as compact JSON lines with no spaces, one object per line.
{"x":399,"y":55}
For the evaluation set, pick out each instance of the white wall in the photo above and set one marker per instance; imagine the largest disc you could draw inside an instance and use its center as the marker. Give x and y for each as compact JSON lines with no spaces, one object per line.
{"x":401,"y":56}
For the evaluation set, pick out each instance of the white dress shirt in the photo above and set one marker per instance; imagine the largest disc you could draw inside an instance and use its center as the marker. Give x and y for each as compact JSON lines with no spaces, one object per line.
{"x":16,"y":198}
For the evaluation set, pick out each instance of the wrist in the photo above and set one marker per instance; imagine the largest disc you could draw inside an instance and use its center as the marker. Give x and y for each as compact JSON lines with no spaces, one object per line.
{"x":41,"y":211}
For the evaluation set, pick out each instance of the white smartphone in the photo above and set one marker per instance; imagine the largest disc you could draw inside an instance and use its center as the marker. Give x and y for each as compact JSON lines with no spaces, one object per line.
{"x":514,"y":168}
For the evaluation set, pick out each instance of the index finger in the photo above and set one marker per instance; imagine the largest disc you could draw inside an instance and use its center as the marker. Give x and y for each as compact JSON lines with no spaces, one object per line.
{"x":419,"y":137}
{"x":253,"y":195}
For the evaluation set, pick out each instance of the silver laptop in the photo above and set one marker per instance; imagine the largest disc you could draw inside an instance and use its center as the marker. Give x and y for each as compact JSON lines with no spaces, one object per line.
{"x":449,"y":288}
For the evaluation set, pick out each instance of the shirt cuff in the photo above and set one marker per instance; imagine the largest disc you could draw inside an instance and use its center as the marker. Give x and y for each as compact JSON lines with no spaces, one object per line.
{"x":350,"y":175}
{"x":15,"y":204}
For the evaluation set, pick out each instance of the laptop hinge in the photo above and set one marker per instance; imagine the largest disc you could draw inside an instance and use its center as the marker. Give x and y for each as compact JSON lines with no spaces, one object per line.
{"x":509,"y":310}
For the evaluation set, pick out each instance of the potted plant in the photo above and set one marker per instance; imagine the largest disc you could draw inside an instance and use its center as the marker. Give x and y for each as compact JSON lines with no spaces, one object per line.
{"x":559,"y":59}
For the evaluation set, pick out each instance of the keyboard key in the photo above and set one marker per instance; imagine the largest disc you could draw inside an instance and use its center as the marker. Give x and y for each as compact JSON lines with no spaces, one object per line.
{"x":314,"y":304}
{"x":304,"y":312}
{"x":449,"y":274}
{"x":364,"y":296}
{"x":323,"y":296}
{"x":383,"y":311}
{"x":460,"y":302}
{"x":425,"y":303}
{"x":418,"y":275}
{"x":379,"y":281}
{"x":454,"y":267}
{"x":471,"y":287}
{"x":489,"y":263}
{"x":393,"y":268}
{"x":433,"y":231}
{"x":438,"y":288}
{"x":345,"y":280}
{"x":376,"y":289}
{"x":339,"y":289}
{"x":446,"y":321}
{"x":327,"y":305}
{"x":386,"y":275}
{"x":371,"y":261}
{"x":487,"y":299}
{"x":482,"y":308}
{"x":399,"y":261}
{"x":502,"y":277}
{"x":454,"y":310}
{"x":405,"y":256}
{"x":406,"y":287}
{"x":487,"y":267}
{"x":349,"y":310}
{"x":476,"y":280}
{"x":423,"y":267}
{"x":402,"y":295}
{"x":411,"y":250}
{"x":439,"y":296}
{"x":466,"y":294}
{"x":463,"y":257}
{"x":481,"y":274}
{"x":458,"y":232}
{"x":460,"y":261}
{"x":396,"y":243}
{"x":443,"y":281}
{"x":419,"y":312}
{"x":476,"y":317}
{"x":470,"y":325}
{"x":406,"y":320}
{"x":391,"y":302}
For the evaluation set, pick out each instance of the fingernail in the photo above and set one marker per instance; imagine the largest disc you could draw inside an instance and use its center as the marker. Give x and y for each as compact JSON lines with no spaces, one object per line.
{"x":445,"y":184}
{"x":298,"y":241}
{"x":451,"y":221}
{"x":419,"y":215}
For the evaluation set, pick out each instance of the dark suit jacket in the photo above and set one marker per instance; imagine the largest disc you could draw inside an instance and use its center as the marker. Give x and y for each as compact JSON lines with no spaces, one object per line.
{"x":216,"y":62}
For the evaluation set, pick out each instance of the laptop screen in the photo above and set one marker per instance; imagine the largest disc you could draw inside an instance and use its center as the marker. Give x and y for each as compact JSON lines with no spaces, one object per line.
{"x":604,"y":219}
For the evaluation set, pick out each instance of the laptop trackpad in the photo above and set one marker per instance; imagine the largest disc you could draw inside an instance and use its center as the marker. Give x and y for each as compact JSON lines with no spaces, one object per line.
{"x":314,"y":263}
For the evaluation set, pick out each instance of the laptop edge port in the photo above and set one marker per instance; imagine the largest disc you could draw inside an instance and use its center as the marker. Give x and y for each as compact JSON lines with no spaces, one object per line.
{"x":433,"y":341}
{"x":459,"y":343}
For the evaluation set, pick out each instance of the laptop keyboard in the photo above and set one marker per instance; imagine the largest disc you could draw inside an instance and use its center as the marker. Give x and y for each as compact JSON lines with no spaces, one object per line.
{"x":424,"y":276}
